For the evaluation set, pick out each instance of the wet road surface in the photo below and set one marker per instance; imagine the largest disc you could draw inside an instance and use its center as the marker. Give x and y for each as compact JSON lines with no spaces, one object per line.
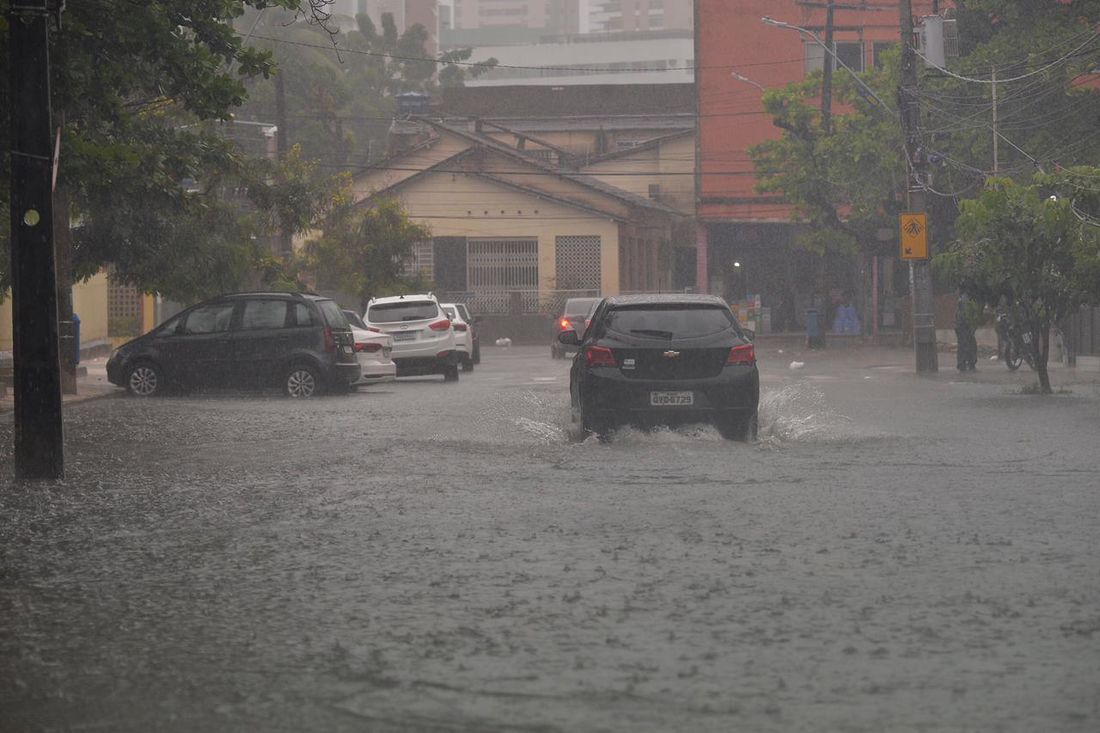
{"x":895,"y":553}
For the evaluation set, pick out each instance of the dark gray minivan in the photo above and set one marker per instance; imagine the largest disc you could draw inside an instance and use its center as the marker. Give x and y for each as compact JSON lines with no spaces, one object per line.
{"x":300,"y":342}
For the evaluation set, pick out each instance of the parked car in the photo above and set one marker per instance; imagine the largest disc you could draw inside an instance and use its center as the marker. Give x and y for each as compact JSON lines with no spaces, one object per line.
{"x":354,"y":319}
{"x":575,"y":316}
{"x":475,"y":338}
{"x":423,"y":339}
{"x":373,"y":350}
{"x":664,"y":360}
{"x":298,"y":341}
{"x":464,"y":336}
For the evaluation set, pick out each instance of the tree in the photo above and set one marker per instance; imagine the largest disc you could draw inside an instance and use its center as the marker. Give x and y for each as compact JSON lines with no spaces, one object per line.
{"x":364,"y":250}
{"x":1028,"y":244}
{"x":340,"y":87}
{"x":843,"y":183}
{"x":132,"y":83}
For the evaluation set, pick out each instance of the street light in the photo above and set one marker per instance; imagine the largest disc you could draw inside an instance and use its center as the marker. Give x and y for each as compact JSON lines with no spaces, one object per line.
{"x":747,"y":80}
{"x":768,"y":20}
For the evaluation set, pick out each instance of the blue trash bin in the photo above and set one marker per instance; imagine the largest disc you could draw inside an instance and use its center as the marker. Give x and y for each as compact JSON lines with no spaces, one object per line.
{"x":76,"y":339}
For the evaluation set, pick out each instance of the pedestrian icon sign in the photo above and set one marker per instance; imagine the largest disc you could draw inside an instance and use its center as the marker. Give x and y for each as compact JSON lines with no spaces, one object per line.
{"x":914,"y":236}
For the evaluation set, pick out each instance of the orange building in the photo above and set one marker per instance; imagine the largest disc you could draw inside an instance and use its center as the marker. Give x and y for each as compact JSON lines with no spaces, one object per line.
{"x":744,"y":237}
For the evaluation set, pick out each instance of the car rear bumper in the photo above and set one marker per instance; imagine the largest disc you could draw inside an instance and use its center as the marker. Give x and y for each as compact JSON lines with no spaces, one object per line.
{"x":607,"y":393}
{"x":378,"y":372}
{"x":412,"y":366}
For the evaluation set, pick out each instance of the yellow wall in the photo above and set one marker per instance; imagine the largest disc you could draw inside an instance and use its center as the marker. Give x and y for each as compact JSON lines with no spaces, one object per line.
{"x":89,"y":302}
{"x":670,"y":166}
{"x":454,"y":205}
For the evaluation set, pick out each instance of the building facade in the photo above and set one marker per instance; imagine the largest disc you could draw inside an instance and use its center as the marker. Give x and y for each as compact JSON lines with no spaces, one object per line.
{"x":666,"y":57}
{"x":631,"y":16}
{"x":745,"y":242}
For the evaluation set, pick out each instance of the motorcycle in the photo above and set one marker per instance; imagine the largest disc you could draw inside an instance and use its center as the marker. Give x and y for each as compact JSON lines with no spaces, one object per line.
{"x":1018,"y":346}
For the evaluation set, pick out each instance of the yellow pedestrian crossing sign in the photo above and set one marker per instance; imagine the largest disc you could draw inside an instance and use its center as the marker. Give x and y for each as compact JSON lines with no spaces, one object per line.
{"x":914,"y":236}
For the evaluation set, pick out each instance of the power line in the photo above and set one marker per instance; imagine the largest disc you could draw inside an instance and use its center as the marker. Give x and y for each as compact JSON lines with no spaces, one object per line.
{"x":1040,"y":70}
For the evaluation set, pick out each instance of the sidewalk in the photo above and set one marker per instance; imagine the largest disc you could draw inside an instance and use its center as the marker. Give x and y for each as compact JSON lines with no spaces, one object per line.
{"x":91,"y":383}
{"x":860,"y":358}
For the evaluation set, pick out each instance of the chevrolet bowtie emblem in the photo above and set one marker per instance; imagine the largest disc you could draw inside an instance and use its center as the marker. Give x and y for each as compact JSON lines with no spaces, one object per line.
{"x":671,"y":354}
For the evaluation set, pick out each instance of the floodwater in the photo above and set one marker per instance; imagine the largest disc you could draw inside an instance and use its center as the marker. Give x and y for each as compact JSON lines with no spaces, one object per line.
{"x":892,"y":554}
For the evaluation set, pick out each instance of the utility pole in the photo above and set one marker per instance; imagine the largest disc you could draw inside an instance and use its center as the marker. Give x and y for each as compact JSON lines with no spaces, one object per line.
{"x":996,"y":157}
{"x":920,"y":276}
{"x":282,"y":140}
{"x":827,"y":73}
{"x":39,"y":445}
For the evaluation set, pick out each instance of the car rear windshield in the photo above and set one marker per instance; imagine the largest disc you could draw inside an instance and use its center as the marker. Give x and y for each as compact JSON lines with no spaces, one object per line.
{"x":580,"y":306}
{"x":417,"y":310}
{"x":669,"y":321}
{"x":354,"y":319}
{"x":334,"y":317}
{"x":449,"y":311}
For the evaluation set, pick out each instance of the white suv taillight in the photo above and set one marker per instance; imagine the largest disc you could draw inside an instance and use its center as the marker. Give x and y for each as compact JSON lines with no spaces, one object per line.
{"x":443,"y":325}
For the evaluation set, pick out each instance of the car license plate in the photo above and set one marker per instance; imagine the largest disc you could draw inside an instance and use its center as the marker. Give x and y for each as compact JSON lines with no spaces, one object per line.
{"x":348,"y":350}
{"x":671,"y":399}
{"x":404,"y":336}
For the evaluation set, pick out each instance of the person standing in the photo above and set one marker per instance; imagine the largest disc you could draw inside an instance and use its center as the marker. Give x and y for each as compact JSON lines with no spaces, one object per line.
{"x":965,"y":317}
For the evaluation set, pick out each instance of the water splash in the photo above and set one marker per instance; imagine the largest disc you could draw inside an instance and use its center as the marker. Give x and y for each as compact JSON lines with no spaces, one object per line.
{"x":798,"y":412}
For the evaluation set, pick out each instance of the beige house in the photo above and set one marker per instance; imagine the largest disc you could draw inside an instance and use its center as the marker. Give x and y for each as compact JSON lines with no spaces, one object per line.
{"x":515,"y":228}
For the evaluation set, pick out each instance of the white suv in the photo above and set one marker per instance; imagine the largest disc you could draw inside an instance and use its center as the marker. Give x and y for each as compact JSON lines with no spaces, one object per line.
{"x":423,"y":337}
{"x":464,"y":335}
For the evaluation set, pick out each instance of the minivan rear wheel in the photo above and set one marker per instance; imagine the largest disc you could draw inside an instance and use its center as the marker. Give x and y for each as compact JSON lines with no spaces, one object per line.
{"x":301,"y":382}
{"x":145,"y":379}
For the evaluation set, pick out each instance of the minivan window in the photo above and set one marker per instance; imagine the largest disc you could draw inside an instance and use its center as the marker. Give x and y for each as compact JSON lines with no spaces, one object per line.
{"x":303,"y":316}
{"x":334,"y":317}
{"x":462,"y":311}
{"x":212,"y":318}
{"x":263,"y":314}
{"x":418,"y":310}
{"x":450,"y":312}
{"x":669,"y":322}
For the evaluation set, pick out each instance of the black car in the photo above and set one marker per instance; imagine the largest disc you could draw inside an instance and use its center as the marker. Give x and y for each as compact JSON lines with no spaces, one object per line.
{"x":651,"y":360}
{"x":575,"y":316}
{"x":297,"y":341}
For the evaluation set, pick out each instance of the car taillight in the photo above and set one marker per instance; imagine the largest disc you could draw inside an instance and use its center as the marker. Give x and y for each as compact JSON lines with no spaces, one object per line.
{"x":330,"y":341}
{"x":368,"y":348}
{"x":564,"y":324}
{"x":460,"y":327}
{"x":599,"y":356}
{"x":744,"y":355}
{"x":440,"y":325}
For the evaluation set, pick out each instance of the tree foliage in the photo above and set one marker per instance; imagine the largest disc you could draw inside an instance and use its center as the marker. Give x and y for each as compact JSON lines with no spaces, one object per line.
{"x":842,"y":182}
{"x":156,"y":193}
{"x":364,"y":250}
{"x":340,"y":87}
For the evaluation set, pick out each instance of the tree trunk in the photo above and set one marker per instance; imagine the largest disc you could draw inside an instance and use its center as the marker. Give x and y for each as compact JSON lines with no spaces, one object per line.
{"x":1041,"y":339}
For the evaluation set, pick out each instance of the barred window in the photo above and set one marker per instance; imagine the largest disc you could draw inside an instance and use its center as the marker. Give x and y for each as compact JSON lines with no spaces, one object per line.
{"x":500,"y":264}
{"x":578,"y":262}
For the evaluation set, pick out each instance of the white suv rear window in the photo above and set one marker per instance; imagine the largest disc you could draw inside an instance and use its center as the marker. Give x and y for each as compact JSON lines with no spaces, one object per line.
{"x":417,"y":310}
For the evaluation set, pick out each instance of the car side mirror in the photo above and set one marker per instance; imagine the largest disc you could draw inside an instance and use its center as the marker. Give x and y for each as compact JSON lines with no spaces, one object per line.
{"x":568,"y":337}
{"x":749,"y":334}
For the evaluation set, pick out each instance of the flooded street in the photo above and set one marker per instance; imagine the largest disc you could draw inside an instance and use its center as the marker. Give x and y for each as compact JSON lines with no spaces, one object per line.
{"x":895,"y":553}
